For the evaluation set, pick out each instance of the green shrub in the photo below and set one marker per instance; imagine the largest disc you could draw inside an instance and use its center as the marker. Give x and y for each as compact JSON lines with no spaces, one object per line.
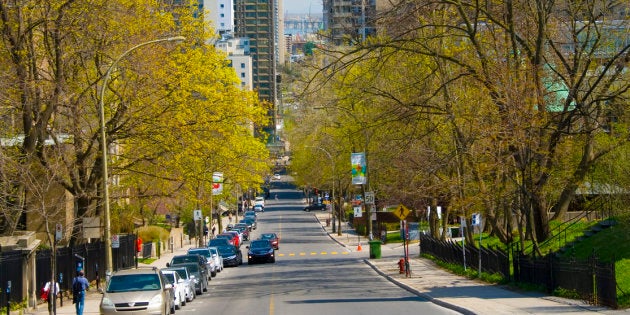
{"x":152,"y":233}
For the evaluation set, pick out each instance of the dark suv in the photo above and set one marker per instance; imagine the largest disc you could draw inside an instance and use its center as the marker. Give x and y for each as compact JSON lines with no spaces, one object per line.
{"x":316,"y":206}
{"x":190,"y":258}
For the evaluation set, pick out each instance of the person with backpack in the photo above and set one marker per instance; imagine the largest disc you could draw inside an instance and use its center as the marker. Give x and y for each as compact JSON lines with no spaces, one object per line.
{"x":79,"y":285}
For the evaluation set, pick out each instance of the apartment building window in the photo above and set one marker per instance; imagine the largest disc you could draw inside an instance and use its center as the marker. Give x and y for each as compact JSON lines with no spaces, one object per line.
{"x":222,"y":15}
{"x":242,"y":74}
{"x":242,"y":65}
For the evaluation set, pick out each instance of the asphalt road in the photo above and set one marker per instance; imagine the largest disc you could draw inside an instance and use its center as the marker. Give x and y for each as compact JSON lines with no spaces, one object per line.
{"x":312,"y":273}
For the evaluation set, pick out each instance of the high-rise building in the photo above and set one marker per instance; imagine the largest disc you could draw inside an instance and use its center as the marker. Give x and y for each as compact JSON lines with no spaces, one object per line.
{"x":349,"y":20}
{"x":261,"y":21}
{"x":221,"y":13}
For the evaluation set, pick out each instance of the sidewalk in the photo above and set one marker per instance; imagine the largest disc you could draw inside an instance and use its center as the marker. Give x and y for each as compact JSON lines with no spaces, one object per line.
{"x":452,"y":291}
{"x":93,"y":297}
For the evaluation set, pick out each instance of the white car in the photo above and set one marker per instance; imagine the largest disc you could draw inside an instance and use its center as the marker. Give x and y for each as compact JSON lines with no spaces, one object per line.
{"x":179,"y":287}
{"x":259,"y":201}
{"x":189,"y":282}
{"x":276,"y":176}
{"x":218,"y":260}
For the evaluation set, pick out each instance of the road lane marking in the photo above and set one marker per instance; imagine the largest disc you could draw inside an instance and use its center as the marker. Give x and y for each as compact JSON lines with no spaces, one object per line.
{"x":312,"y":254}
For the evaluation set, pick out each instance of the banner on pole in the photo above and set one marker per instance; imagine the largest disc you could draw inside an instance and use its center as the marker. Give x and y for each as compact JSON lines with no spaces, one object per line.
{"x":217,"y":183}
{"x":359,"y":168}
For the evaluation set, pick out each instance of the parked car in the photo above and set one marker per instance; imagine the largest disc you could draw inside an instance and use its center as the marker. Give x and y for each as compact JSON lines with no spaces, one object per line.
{"x":260,"y":251}
{"x":237,"y":234}
{"x":199,"y":259}
{"x":259,"y":201}
{"x":276,"y":176}
{"x":233,"y":239}
{"x":250,"y":214}
{"x":251,"y":223}
{"x":210,"y":263}
{"x":232,"y":256}
{"x":243,"y":229}
{"x":179,"y":288}
{"x":138,"y":291}
{"x":218,"y":260}
{"x":189,"y":283}
{"x":271,"y":237}
{"x":259,"y":208}
{"x":198,"y":275}
{"x":315,"y":206}
{"x":218,"y":242}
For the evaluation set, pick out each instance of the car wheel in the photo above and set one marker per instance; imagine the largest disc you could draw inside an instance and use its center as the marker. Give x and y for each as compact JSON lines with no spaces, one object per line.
{"x":213,"y":274}
{"x":183,"y":299}
{"x":173,"y":308}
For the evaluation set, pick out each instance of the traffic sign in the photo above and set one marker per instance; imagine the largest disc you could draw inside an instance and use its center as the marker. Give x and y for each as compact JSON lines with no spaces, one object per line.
{"x":401,"y":212}
{"x":115,"y":241}
{"x":197,"y":215}
{"x":369,"y":197}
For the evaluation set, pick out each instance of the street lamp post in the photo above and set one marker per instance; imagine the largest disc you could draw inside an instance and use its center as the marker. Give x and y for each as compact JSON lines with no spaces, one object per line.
{"x":332,"y":204}
{"x":108,"y":239}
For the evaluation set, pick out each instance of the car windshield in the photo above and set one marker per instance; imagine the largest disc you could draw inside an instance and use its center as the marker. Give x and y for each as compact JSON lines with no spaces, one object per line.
{"x":218,"y":242}
{"x":267,"y":236}
{"x":260,"y":244}
{"x":170,"y":276}
{"x":227,"y":250}
{"x":136,"y":282}
{"x":181,"y":272}
{"x":193,"y":268}
{"x":202,"y":252}
{"x":184,"y":259}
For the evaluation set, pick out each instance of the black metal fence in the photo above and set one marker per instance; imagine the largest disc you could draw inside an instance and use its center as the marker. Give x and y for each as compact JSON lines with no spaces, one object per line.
{"x":591,"y":280}
{"x":89,"y":257}
{"x":492,"y":260}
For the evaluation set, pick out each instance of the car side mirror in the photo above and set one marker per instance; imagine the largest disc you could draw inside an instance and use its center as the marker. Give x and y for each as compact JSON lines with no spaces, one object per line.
{"x":167,"y":265}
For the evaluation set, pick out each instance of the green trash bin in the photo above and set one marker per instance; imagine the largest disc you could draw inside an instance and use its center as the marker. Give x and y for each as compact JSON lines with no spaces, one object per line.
{"x":375,"y":249}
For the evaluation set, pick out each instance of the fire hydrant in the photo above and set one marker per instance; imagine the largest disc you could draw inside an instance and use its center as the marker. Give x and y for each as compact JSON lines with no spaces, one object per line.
{"x":401,"y":266}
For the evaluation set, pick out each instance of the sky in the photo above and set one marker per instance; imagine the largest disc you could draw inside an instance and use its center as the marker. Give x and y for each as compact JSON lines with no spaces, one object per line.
{"x":302,"y":6}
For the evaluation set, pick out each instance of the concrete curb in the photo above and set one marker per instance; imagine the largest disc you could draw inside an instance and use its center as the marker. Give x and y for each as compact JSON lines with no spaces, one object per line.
{"x":412,"y":290}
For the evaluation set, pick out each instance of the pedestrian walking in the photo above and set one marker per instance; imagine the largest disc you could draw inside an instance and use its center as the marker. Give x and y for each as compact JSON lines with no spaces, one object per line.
{"x":79,"y":285}
{"x":50,"y":295}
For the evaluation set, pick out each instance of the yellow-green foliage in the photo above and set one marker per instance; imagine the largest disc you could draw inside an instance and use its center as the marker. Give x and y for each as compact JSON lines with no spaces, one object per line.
{"x":152,"y":233}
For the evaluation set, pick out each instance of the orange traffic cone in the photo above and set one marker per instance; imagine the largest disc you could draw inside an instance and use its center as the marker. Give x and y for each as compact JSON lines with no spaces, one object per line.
{"x":359,"y":247}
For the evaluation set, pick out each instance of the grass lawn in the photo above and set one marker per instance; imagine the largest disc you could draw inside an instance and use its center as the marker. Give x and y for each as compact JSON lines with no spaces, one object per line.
{"x":611,"y":245}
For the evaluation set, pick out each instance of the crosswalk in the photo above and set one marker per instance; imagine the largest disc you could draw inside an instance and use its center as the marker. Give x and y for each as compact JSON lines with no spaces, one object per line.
{"x":311,"y":254}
